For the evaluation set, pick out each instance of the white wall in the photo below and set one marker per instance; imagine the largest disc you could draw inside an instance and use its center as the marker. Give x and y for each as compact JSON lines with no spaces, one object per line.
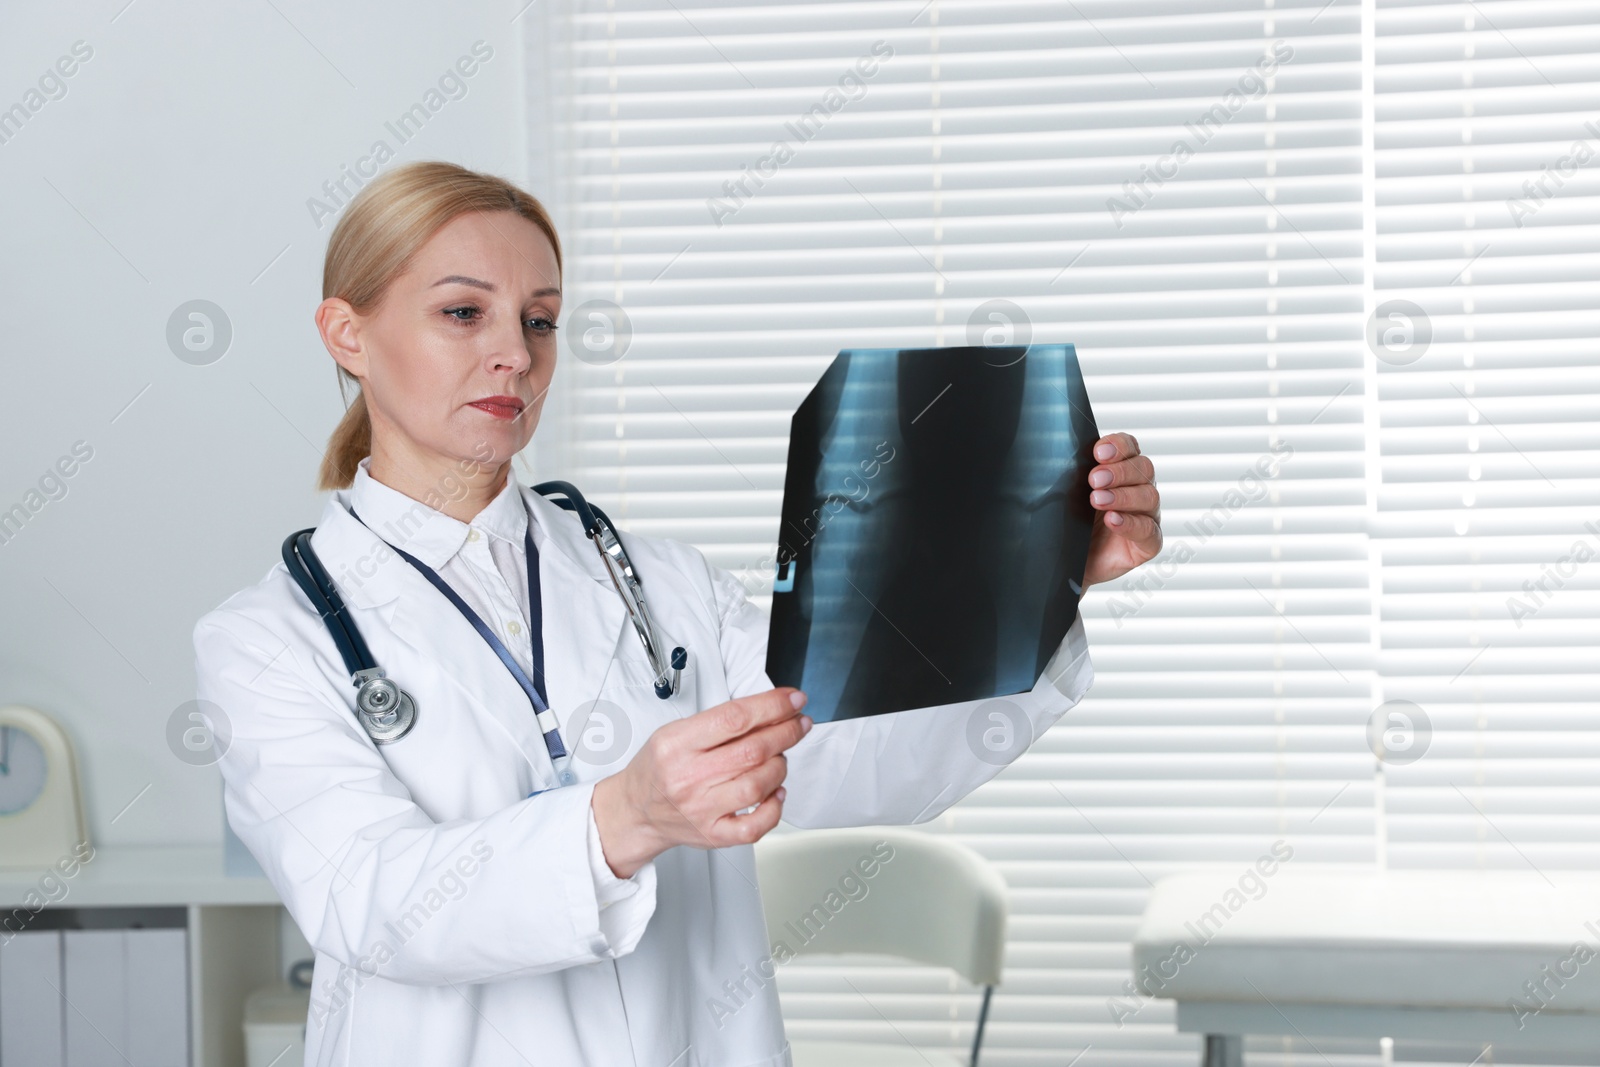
{"x":177,"y":166}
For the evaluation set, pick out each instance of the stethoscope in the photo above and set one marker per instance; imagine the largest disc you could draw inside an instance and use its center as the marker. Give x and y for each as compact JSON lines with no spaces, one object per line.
{"x":388,"y":713}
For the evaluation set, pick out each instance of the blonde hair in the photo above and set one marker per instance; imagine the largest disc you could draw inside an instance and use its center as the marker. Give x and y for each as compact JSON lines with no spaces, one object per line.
{"x":373,"y":243}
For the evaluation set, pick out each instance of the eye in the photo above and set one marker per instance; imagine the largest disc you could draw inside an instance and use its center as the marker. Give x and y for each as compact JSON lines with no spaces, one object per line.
{"x":541,"y":325}
{"x":456,"y":312}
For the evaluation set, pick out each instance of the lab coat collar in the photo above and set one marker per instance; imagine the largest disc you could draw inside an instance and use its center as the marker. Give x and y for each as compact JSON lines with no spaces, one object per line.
{"x":368,"y":573}
{"x":425,"y":532}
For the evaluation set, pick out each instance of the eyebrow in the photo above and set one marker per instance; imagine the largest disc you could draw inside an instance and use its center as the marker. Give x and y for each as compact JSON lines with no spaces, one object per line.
{"x":462,"y":279}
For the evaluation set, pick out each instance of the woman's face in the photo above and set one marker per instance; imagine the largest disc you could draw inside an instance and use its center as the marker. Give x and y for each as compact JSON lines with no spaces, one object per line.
{"x":456,"y":360}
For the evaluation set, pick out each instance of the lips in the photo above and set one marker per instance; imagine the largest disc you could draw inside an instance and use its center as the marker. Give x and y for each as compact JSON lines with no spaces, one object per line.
{"x":501,"y":407}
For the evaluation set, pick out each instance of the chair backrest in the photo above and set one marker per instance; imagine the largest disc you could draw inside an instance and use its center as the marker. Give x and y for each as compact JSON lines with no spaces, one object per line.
{"x":884,"y":890}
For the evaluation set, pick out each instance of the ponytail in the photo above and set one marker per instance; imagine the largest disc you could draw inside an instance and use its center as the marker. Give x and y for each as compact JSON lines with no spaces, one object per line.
{"x":349,"y":444}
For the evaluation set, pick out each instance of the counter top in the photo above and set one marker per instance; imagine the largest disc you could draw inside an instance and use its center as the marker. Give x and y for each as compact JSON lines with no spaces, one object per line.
{"x":139,"y":875}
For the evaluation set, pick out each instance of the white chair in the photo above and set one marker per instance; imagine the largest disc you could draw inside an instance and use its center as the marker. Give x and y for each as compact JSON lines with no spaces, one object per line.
{"x":934,"y":901}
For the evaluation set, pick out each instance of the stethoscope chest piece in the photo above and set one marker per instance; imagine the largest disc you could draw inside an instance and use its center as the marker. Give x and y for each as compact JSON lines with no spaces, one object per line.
{"x":387,"y":712}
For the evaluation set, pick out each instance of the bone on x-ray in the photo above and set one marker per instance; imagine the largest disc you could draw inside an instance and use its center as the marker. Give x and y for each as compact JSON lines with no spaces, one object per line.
{"x":935,"y":527}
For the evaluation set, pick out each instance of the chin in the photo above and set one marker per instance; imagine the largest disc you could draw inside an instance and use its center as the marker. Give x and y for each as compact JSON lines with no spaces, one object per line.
{"x":492,"y":444}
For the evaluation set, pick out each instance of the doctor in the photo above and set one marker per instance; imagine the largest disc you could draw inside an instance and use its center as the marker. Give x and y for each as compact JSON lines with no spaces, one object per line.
{"x":465,"y":907}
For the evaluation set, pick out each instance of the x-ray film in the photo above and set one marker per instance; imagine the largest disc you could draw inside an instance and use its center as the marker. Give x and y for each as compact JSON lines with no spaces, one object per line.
{"x":935,"y":527}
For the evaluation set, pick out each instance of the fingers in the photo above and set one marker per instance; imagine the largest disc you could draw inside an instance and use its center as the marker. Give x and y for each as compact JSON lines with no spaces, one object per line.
{"x":1136,"y":471}
{"x":721,"y":761}
{"x":747,"y":789}
{"x":1143,"y":530}
{"x":1115,"y":446}
{"x":1139,"y":499}
{"x":1123,"y":488}
{"x":746,"y":829}
{"x":723,"y":723}
{"x":733,"y":758}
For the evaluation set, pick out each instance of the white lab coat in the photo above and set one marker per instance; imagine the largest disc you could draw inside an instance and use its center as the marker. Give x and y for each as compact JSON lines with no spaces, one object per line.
{"x":455,"y":919}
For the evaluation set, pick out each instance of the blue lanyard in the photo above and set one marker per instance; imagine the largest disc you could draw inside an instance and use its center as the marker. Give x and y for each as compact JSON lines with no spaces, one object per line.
{"x":535,"y":692}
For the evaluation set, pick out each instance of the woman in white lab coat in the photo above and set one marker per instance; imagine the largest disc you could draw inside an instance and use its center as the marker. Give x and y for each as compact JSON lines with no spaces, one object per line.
{"x":463,"y":911}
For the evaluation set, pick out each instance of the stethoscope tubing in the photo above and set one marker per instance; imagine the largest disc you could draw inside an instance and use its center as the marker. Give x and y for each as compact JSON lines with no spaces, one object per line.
{"x":587,"y":513}
{"x":307,"y":570}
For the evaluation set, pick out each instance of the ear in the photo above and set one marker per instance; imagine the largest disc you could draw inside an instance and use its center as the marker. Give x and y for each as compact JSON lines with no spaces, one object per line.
{"x":340,"y":327}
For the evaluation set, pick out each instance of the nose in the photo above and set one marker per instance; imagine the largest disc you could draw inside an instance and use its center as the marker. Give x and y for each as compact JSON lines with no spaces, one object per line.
{"x":509,"y":348}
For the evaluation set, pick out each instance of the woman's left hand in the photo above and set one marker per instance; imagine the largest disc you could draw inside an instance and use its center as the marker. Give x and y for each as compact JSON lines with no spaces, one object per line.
{"x":1127,"y":528}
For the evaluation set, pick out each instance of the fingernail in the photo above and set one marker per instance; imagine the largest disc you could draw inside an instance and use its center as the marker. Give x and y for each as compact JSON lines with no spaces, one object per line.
{"x":1104,"y":451}
{"x":1113,"y":518}
{"x":805,"y":725}
{"x":1100,"y":496}
{"x":797,"y":700}
{"x":781,"y":793}
{"x":1100,"y":479}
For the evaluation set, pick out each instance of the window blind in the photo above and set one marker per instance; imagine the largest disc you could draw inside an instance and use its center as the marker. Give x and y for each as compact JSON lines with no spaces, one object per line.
{"x":1488,"y":525}
{"x":1212,"y":199}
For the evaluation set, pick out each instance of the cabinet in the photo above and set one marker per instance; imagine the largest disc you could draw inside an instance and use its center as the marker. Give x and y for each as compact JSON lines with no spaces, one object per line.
{"x":237,"y":930}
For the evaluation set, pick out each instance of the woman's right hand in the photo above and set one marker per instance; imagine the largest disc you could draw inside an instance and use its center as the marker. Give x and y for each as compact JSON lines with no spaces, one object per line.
{"x":692,"y":777}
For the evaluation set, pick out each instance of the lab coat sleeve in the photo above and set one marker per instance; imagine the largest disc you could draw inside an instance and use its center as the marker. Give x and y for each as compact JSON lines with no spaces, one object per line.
{"x":608,"y":888}
{"x":369,"y":877}
{"x":624,"y":910}
{"x":900,"y":767}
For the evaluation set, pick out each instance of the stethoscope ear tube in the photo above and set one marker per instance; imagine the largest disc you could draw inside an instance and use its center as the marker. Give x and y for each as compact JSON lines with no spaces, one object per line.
{"x":630,"y":587}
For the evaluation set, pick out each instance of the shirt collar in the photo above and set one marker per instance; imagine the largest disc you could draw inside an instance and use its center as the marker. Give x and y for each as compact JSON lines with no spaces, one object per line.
{"x":427,"y":533}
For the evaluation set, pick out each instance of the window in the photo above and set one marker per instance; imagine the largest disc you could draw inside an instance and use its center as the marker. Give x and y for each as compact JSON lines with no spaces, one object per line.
{"x":1217,"y":201}
{"x":1487,"y":527}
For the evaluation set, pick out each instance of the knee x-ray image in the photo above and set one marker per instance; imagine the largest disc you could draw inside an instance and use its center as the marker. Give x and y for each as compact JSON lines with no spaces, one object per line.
{"x":935,"y":528}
